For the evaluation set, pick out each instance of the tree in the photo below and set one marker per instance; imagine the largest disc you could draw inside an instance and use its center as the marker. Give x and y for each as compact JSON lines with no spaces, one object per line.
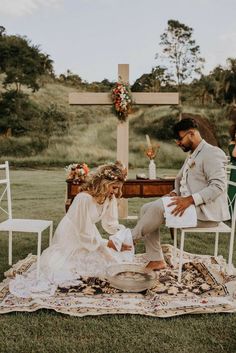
{"x":2,"y":30}
{"x":216,"y":76}
{"x":180,"y":54}
{"x":22,"y":63}
{"x":71,"y":79}
{"x":205,"y":89}
{"x":17,"y":114}
{"x":152,"y":82}
{"x":229,"y":82}
{"x":21,"y":116}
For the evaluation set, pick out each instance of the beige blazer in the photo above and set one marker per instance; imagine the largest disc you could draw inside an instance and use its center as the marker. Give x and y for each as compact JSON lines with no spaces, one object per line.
{"x":206,"y":176}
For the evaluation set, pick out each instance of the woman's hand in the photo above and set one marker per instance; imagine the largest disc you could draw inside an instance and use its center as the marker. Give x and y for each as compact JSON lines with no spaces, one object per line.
{"x":111,"y":245}
{"x":126,"y":247}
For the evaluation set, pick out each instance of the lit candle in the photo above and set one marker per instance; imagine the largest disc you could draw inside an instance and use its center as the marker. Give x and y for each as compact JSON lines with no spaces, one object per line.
{"x":148,"y":142}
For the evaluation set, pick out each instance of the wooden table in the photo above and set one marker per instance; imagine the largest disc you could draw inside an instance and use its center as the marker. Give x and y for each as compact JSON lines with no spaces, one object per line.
{"x":131,"y":188}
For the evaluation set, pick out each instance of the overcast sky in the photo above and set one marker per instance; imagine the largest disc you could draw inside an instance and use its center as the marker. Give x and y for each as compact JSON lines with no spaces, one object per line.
{"x":90,"y":37}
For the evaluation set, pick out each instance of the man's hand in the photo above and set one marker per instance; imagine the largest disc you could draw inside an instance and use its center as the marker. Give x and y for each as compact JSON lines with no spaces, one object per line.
{"x":181,"y":204}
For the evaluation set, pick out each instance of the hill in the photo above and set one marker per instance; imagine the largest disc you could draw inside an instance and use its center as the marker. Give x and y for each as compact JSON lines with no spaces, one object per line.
{"x":91,"y":135}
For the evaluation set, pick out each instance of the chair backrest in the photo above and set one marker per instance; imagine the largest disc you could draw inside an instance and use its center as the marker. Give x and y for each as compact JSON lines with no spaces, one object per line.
{"x":6,"y":191}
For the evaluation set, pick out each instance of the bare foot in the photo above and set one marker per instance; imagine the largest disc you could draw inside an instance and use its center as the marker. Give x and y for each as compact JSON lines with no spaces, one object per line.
{"x":156,"y":265}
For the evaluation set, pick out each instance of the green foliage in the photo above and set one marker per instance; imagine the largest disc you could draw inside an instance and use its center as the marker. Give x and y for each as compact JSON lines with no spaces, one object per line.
{"x":103,"y":86}
{"x":221,"y":125}
{"x":22,"y":147}
{"x":218,"y":87}
{"x":73,"y":80}
{"x":17,"y":113}
{"x":54,"y":121}
{"x":20,"y":116}
{"x":159,"y":126}
{"x":157,"y":80}
{"x":203,"y":90}
{"x":229,"y":82}
{"x":164,"y":127}
{"x":22,"y":62}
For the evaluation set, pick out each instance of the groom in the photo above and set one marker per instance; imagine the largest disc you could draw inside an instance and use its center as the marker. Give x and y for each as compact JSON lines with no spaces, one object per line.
{"x":201,"y":182}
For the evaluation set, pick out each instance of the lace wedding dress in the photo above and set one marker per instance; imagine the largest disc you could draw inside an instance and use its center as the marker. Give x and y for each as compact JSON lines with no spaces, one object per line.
{"x":77,"y":248}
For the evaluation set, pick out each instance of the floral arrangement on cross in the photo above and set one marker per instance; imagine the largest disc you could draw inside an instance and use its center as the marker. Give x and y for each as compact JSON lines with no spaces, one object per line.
{"x":122,"y":100}
{"x":77,"y":172}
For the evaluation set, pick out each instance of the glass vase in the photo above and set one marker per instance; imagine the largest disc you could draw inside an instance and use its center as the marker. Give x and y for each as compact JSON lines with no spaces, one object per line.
{"x":152,"y":169}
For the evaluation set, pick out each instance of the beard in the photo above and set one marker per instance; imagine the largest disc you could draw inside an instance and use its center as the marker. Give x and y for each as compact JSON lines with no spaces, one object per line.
{"x":185,"y":148}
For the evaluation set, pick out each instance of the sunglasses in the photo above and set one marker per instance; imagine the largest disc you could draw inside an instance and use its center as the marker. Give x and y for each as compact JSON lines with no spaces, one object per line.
{"x":179,"y":139}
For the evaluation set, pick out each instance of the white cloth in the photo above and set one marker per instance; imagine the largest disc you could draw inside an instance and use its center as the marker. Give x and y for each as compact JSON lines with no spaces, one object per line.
{"x":123,"y":236}
{"x":77,"y":248}
{"x":188,"y":219}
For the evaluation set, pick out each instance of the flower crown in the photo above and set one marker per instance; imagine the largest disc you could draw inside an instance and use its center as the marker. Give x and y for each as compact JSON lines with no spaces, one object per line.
{"x":114,"y":172}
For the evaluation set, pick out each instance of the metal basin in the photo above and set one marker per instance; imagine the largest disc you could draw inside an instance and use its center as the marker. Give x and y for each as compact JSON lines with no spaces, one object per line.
{"x":131,"y":277}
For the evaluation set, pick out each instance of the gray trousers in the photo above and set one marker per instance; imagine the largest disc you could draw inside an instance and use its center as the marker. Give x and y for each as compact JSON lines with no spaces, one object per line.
{"x":148,"y":228}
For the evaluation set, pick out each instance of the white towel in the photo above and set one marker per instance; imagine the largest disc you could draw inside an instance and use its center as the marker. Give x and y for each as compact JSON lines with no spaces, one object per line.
{"x":188,"y":218}
{"x":122,"y":236}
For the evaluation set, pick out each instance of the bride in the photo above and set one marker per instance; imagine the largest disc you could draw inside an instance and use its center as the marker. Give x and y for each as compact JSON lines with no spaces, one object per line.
{"x":77,"y":247}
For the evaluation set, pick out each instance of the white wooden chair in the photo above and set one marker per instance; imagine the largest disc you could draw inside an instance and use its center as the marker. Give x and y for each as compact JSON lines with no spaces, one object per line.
{"x":20,"y":225}
{"x":221,"y":228}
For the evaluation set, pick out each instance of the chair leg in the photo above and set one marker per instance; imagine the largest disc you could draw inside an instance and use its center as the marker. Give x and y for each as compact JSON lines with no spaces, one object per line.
{"x":39,"y":253}
{"x":216,"y":244}
{"x":175,"y":245}
{"x":231,"y":246}
{"x":181,"y":256}
{"x":50,"y":233}
{"x":10,"y":247}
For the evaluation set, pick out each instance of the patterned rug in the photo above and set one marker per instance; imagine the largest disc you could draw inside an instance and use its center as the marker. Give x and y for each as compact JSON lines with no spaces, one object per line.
{"x":205,"y":288}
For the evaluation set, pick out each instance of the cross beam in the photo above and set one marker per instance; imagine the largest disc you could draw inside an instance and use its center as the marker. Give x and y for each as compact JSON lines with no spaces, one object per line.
{"x":138,"y":98}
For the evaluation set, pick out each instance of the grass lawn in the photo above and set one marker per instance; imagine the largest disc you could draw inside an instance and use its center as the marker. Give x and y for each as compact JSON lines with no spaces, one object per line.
{"x":41,"y":194}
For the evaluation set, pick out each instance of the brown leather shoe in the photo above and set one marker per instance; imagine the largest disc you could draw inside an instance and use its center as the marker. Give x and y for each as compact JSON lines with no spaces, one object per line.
{"x":156,"y":265}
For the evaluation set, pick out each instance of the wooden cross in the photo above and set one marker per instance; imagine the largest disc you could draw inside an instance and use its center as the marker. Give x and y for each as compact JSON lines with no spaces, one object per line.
{"x":123,"y":127}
